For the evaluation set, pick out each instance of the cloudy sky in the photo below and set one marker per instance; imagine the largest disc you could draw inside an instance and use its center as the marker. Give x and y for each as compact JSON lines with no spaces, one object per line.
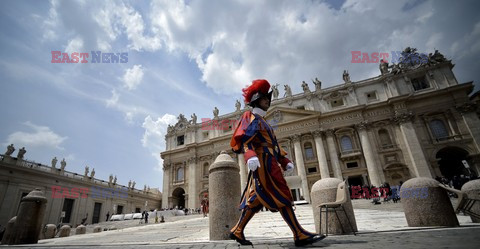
{"x":188,"y":57}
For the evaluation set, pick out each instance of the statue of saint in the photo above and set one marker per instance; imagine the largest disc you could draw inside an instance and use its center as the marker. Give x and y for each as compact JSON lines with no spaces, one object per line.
{"x":383,"y":67}
{"x":318,"y":84}
{"x":129,"y":183}
{"x":63,"y":164}
{"x":238,"y":106}
{"x":215,"y":112}
{"x":346,"y":76}
{"x":275,"y":91}
{"x":305,"y":87}
{"x":21,"y":153}
{"x":133,"y":184}
{"x":110,"y":178}
{"x":145,"y":188}
{"x":115,"y":180}
{"x":10,"y":150}
{"x":54,"y":162}
{"x":93,"y":173}
{"x":194,"y":118}
{"x":288,"y":91}
{"x":86,"y":170}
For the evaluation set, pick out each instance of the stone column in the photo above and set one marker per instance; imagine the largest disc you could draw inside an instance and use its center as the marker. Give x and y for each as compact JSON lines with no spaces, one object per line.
{"x":301,"y":166}
{"x":414,"y":148}
{"x":243,"y":171}
{"x":471,"y":121}
{"x":322,"y":157}
{"x":29,"y":219}
{"x":224,"y":191}
{"x":332,"y":150}
{"x":426,"y":204}
{"x":192,"y":182}
{"x":166,"y":183}
{"x":472,"y":189}
{"x":368,"y":154}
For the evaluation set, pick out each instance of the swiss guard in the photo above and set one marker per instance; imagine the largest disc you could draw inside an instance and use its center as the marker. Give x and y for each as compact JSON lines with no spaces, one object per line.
{"x":266,"y":186}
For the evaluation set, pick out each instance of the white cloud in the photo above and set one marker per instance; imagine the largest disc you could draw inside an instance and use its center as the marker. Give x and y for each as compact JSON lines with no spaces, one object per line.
{"x":154,"y":136}
{"x":112,"y":101}
{"x":40,"y":136}
{"x":75,"y":45}
{"x":286,"y":42}
{"x":133,"y":77}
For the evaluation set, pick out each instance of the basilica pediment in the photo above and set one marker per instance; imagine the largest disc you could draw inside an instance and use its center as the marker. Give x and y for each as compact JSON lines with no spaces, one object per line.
{"x":283,"y":115}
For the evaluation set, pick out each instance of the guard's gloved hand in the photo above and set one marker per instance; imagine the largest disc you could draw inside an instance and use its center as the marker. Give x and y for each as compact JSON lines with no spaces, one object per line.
{"x":289,"y":167}
{"x":253,"y":163}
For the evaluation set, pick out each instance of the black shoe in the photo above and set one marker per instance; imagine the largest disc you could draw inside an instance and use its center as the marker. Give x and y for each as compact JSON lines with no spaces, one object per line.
{"x":310,"y":240}
{"x":242,"y":242}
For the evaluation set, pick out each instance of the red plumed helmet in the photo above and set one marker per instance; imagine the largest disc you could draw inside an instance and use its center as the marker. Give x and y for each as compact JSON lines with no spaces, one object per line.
{"x":256,"y":90}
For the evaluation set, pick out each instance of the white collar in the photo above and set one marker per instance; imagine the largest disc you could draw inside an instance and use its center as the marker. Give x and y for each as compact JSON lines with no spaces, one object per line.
{"x":259,"y":111}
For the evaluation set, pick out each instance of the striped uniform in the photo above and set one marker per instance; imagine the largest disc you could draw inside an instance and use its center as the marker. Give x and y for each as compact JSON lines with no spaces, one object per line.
{"x":266,"y":185}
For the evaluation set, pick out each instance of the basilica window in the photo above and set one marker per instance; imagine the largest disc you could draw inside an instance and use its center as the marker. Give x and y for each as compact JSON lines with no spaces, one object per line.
{"x":180,"y":140}
{"x":346,"y":143}
{"x":420,"y":83}
{"x":206,"y":166}
{"x":385,"y":140}
{"x":180,"y":175}
{"x":336,"y":103}
{"x":438,"y":129}
{"x":308,"y":151}
{"x":371,"y":96}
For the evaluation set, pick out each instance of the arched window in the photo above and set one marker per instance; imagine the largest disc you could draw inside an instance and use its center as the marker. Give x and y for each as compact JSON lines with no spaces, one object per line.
{"x":384,"y":137}
{"x":346,"y":143}
{"x":206,"y":166}
{"x":438,"y":128}
{"x":308,"y":151}
{"x":179,"y":174}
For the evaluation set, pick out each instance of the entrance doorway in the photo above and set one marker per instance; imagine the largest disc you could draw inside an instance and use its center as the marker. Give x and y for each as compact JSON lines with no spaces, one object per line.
{"x":67,"y":208}
{"x":450,"y":162}
{"x":96,"y":212}
{"x":178,"y":198}
{"x":355,"y":181}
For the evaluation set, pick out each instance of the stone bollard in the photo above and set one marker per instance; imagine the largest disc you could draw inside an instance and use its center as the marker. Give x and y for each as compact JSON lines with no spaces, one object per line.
{"x":325,"y":190}
{"x":426,"y":204}
{"x":224,"y":194}
{"x":30,"y":216}
{"x":49,"y":231}
{"x":9,"y":232}
{"x":97,"y":229}
{"x":80,"y":230}
{"x":472,"y":189}
{"x":64,"y":231}
{"x":162,"y":219}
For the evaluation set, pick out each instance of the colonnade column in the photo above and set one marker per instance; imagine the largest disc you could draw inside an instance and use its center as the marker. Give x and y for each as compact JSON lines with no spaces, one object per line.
{"x":368,"y":154}
{"x":192,"y":182}
{"x":332,"y":150}
{"x":166,"y":182}
{"x":301,"y":166}
{"x":414,"y":149}
{"x":322,"y":157}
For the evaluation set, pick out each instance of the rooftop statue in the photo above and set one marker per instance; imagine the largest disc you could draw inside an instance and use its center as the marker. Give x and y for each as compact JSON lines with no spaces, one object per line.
{"x":10,"y":150}
{"x":288,"y":91}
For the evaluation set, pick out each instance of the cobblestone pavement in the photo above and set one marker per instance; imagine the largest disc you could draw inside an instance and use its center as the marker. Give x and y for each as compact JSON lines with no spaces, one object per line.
{"x":378,"y":229}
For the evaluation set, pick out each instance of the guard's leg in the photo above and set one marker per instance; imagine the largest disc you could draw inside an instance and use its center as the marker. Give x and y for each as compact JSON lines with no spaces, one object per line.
{"x":253,"y":206}
{"x":289,"y":217}
{"x":301,"y":236}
